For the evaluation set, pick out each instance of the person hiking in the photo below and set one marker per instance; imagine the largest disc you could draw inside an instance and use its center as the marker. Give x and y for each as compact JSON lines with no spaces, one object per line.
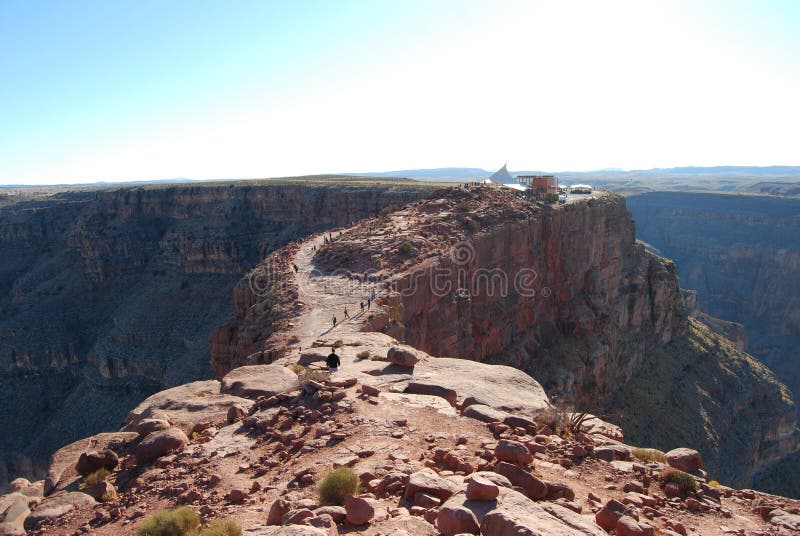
{"x":362,"y":306}
{"x":334,"y":320}
{"x":346,"y":314}
{"x":295,"y":268}
{"x":369,"y":303}
{"x":333,"y":361}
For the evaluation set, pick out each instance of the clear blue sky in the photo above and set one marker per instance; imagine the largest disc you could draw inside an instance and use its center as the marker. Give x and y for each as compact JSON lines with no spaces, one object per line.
{"x":116,"y":90}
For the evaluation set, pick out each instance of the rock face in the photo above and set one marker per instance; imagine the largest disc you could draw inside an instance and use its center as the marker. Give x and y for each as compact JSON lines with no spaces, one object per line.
{"x":109,"y":296}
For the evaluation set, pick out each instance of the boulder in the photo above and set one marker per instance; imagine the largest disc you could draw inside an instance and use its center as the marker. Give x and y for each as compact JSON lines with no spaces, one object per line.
{"x":512,"y":452}
{"x":627,"y":526}
{"x":610,"y":453}
{"x":405,"y":356}
{"x":146,"y":427}
{"x":324,"y":522}
{"x":288,"y":530}
{"x":101,"y":491}
{"x":277,"y":511}
{"x":455,"y":519}
{"x":610,"y":513}
{"x":430,"y":482}
{"x":421,"y":387}
{"x":481,"y":489}
{"x":493,"y":477}
{"x":185,"y":406}
{"x":517,"y":515}
{"x":534,"y":487}
{"x":56,"y":506}
{"x":254,"y":381}
{"x":684,"y":459}
{"x":160,"y":444}
{"x":92,"y":460}
{"x":359,"y":511}
{"x":338,"y":513}
{"x":236,"y":412}
{"x":459,"y":514}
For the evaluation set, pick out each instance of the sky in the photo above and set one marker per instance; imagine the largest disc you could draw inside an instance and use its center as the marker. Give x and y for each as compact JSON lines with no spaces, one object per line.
{"x":112,"y":90}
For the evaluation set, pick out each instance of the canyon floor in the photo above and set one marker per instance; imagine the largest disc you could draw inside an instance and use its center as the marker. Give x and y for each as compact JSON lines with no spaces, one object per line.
{"x":439,"y":445}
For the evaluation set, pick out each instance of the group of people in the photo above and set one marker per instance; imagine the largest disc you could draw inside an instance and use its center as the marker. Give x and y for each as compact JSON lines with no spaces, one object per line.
{"x":367,"y":305}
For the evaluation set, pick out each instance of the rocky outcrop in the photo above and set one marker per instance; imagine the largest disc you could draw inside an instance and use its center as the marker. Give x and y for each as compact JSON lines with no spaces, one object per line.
{"x":108,"y":296}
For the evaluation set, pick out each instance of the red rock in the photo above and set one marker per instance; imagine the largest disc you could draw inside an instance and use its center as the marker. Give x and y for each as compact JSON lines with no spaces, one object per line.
{"x":426,"y":500}
{"x":403,"y":356}
{"x":236,"y":412}
{"x":159,"y":444}
{"x":428,"y":481}
{"x":296,"y":516}
{"x":513,"y":452}
{"x":237,"y":496}
{"x":611,"y":512}
{"x":277,"y":511}
{"x":627,"y":526}
{"x":359,"y":511}
{"x":91,"y":461}
{"x":101,"y":491}
{"x":634,"y":485}
{"x":558,"y":490}
{"x":534,"y":487}
{"x":687,"y":460}
{"x":481,"y":489}
{"x":454,"y":518}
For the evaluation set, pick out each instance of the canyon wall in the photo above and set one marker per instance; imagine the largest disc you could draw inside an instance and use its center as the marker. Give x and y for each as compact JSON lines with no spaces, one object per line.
{"x":741,"y":253}
{"x":109,"y":296}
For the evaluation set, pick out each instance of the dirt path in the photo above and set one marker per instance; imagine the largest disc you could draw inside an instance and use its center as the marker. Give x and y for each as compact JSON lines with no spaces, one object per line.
{"x":327,"y":295}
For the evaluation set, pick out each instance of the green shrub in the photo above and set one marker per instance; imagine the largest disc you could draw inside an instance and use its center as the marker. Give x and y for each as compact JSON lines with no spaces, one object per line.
{"x":338,"y":344}
{"x":406,"y":248}
{"x":363,"y":355}
{"x":337,"y":484}
{"x":550,"y":198}
{"x":95,"y":478}
{"x":181,"y":521}
{"x":649,"y":455}
{"x":222,"y":527}
{"x":108,"y":497}
{"x":685,"y":481}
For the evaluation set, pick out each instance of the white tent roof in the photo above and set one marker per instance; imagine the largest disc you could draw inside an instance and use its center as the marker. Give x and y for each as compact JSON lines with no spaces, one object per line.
{"x":503,"y":176}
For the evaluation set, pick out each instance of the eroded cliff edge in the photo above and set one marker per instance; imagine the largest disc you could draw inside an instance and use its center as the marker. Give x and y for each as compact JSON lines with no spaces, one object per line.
{"x":109,"y":296}
{"x":568,"y":295}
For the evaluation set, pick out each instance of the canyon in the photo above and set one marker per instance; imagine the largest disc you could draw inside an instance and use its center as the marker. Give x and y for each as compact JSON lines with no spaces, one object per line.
{"x":109,"y":295}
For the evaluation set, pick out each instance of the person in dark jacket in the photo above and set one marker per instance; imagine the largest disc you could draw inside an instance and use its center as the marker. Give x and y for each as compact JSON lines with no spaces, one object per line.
{"x":333,"y":361}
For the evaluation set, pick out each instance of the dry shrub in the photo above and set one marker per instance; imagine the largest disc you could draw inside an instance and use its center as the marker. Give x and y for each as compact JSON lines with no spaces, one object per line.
{"x":337,"y":485}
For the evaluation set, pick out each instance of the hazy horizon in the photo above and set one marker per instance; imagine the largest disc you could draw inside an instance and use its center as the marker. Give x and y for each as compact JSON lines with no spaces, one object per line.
{"x":138,"y":91}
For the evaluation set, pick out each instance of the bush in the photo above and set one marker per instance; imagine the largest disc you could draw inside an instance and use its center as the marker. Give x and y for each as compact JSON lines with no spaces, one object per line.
{"x":338,"y":344}
{"x":222,"y":527}
{"x":108,"y":497}
{"x":465,"y":206}
{"x":95,"y":478}
{"x":649,"y":455}
{"x":551,"y":198}
{"x":297,"y":368}
{"x":406,"y":248}
{"x":388,"y":210}
{"x":685,"y":481}
{"x":363,"y":355}
{"x":178,"y":522}
{"x":337,"y":484}
{"x":294,"y":339}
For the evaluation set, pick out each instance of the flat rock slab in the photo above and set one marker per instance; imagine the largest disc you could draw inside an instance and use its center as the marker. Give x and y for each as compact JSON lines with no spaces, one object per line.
{"x":287,"y":530}
{"x":258,"y":380}
{"x":485,"y":413}
{"x":56,"y":506}
{"x":186,"y":405}
{"x":435,"y":403}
